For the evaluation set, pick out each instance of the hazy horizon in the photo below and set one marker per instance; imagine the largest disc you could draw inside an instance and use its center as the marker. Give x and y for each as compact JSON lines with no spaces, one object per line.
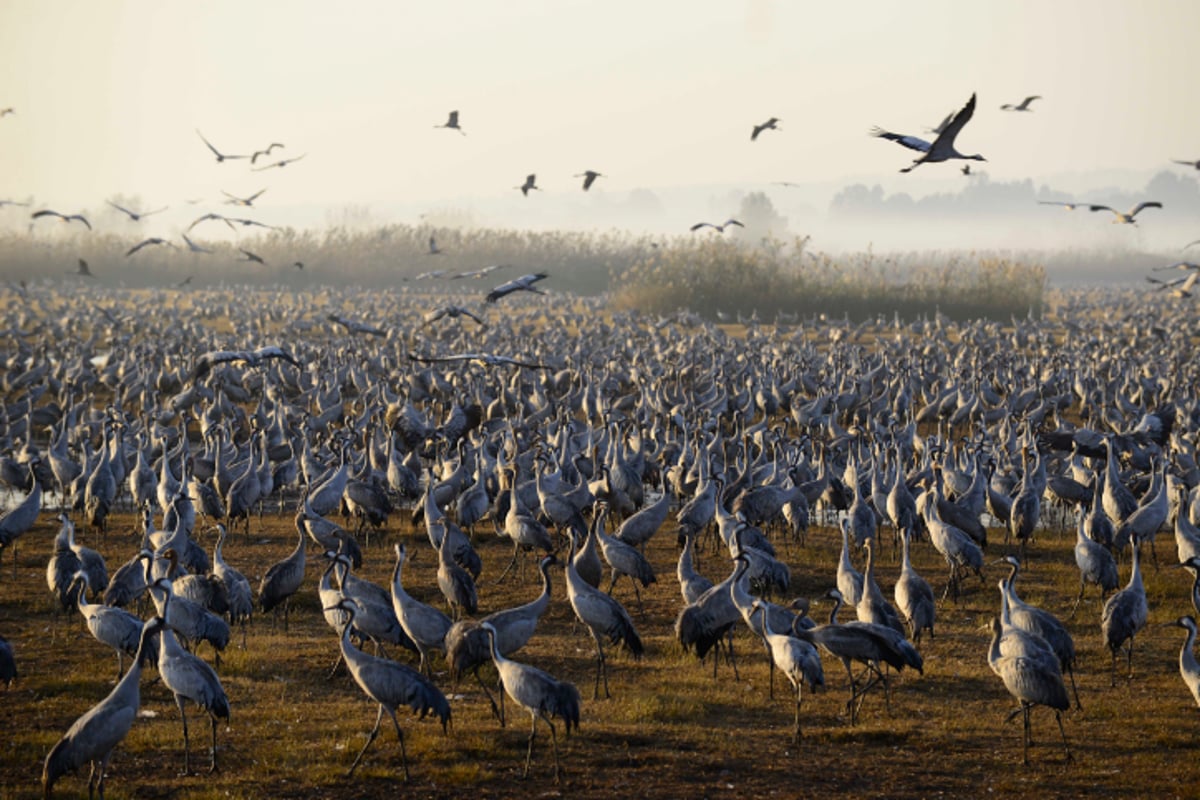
{"x":658,"y":97}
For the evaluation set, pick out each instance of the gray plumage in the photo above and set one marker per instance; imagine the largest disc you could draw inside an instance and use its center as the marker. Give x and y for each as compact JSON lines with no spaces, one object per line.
{"x":92,"y":737}
{"x":605,"y":618}
{"x":1124,"y":616}
{"x":1032,"y":681}
{"x":455,"y":583}
{"x":1044,"y":624}
{"x":22,"y":517}
{"x":1189,"y":669}
{"x":795,"y":658}
{"x":192,"y":621}
{"x":691,"y":583}
{"x":424,"y":624}
{"x":914,"y":597}
{"x":282,"y":580}
{"x":391,"y":685}
{"x":1096,"y":564}
{"x":540,"y":694}
{"x":111,"y":626}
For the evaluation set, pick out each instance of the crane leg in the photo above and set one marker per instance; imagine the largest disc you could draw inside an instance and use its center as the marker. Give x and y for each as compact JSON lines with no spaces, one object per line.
{"x":1074,"y":688}
{"x":529,"y":752}
{"x":1082,"y":587}
{"x":333,"y":670}
{"x":1058,"y":718}
{"x":498,"y":713}
{"x":187,"y":766}
{"x":400,"y":736}
{"x":212,"y":767}
{"x":516,"y":552}
{"x":554,"y":747}
{"x":1025,"y":735}
{"x":799,"y":691}
{"x":370,"y":738}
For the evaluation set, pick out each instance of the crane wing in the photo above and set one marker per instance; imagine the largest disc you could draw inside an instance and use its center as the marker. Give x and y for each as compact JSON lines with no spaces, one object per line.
{"x":911,"y":142}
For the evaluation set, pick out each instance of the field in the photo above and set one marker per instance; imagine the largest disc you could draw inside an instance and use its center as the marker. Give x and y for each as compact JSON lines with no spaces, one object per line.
{"x":669,"y":729}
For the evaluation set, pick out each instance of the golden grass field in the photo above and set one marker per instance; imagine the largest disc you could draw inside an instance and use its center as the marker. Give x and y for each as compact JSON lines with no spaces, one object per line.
{"x":669,"y":730}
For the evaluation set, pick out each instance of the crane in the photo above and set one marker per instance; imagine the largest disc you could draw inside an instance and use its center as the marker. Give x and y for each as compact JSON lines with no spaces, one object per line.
{"x":769,"y":125}
{"x":237,"y":587}
{"x":92,"y":738}
{"x":189,"y":678}
{"x":281,"y":581}
{"x":1096,"y":564}
{"x":424,"y":624}
{"x":1124,"y":615}
{"x":942,"y":148}
{"x":914,"y":596}
{"x":603,"y":616}
{"x":390,"y":684}
{"x":794,"y":657}
{"x":1042,"y":623}
{"x":540,"y":694}
{"x":112,"y":626}
{"x":1189,"y":669}
{"x":1032,"y":682}
{"x":1023,"y":105}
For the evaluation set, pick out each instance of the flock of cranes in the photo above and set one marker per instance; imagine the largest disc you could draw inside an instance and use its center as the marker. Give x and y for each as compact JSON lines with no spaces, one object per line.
{"x":938,"y":452}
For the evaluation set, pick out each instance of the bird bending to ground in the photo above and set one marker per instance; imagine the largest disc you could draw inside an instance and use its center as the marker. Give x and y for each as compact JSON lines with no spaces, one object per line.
{"x":942,"y":148}
{"x":589,"y":177}
{"x":46,"y":212}
{"x":353,"y":326}
{"x":265,"y":152}
{"x":252,"y":357}
{"x":719,"y":228}
{"x":540,"y":694}
{"x":769,"y":125}
{"x":483,"y":359}
{"x":1123,"y":218}
{"x":452,"y":123}
{"x":146,"y":243}
{"x":220,"y":156}
{"x":283,"y":162}
{"x":1023,"y":105}
{"x":234,"y":200}
{"x":135,"y":215}
{"x":451,"y":311}
{"x":530,"y":181}
{"x":525,"y":283}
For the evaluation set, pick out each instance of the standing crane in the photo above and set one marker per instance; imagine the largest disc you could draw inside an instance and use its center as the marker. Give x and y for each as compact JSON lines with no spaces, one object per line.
{"x":21,"y":518}
{"x":390,"y":684}
{"x":1189,"y":669}
{"x":189,"y":678}
{"x":237,"y":587}
{"x":92,"y":738}
{"x":1033,"y":682}
{"x":540,"y":694}
{"x":794,"y":657}
{"x":1042,"y":623}
{"x":1124,"y":615}
{"x":603,"y":616}
{"x":424,"y":624}
{"x":1096,"y":564}
{"x":914,"y":596}
{"x":282,"y":580}
{"x":456,"y":583}
{"x":112,"y":626}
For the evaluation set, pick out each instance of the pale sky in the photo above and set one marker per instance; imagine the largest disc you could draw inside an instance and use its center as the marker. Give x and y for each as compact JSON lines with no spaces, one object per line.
{"x":107,"y":95}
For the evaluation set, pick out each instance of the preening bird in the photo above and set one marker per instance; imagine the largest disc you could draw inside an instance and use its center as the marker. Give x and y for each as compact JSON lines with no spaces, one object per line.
{"x":283,"y":162}
{"x":452,"y":123}
{"x":530,"y":181}
{"x":135,"y":215}
{"x":589,"y":177}
{"x":1121,"y":218}
{"x":353,"y":326}
{"x":942,"y":148}
{"x":765,"y":126}
{"x":46,"y":212}
{"x":147,"y":243}
{"x":220,"y":156}
{"x":719,"y":228}
{"x":1023,"y":105}
{"x":253,"y":358}
{"x":234,"y":200}
{"x":482,"y":359}
{"x":525,"y":283}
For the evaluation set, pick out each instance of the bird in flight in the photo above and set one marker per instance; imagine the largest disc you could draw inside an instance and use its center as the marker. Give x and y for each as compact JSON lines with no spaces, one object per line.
{"x":453,"y":312}
{"x":135,"y":216}
{"x":434,"y":250}
{"x":719,"y":228}
{"x":4,"y":203}
{"x":530,"y":180}
{"x":432,"y":274}
{"x":248,"y":202}
{"x":207,"y":217}
{"x":185,"y":282}
{"x":942,"y":148}
{"x":1023,"y":105}
{"x":589,"y":177}
{"x":1193,"y":164}
{"x":1180,"y":287}
{"x":483,"y":359}
{"x":298,"y":264}
{"x":266,"y":152}
{"x":220,"y":156}
{"x":83,"y":270}
{"x":941,"y":126}
{"x":283,"y":162}
{"x":1067,"y":206}
{"x":230,"y":221}
{"x":1190,"y":244}
{"x":147,"y":243}
{"x":4,"y":112}
{"x":1121,"y":218}
{"x":525,"y":283}
{"x":1179,"y":265}
{"x":966,"y":169}
{"x":452,"y":123}
{"x":353,"y":326}
{"x":257,"y":259}
{"x":254,"y":358}
{"x":769,"y":125}
{"x":478,"y":273}
{"x":45,"y":212}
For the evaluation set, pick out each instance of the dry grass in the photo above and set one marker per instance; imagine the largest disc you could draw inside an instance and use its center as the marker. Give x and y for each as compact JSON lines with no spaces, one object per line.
{"x":669,"y":729}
